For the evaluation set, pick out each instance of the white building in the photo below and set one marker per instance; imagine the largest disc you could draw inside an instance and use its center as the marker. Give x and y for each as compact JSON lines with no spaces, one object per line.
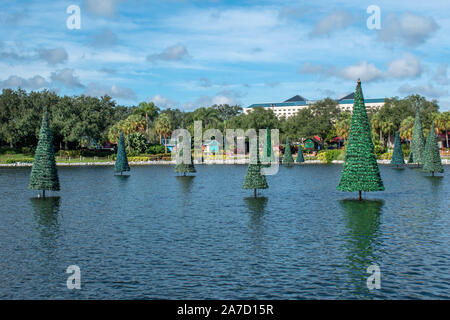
{"x":290,"y":107}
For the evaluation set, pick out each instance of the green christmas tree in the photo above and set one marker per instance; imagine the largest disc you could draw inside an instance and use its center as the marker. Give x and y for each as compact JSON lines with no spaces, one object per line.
{"x":397,"y":155}
{"x":44,"y":175}
{"x":267,"y":152}
{"x":418,"y":141}
{"x":254,"y":179}
{"x":411,"y":157}
{"x":360,"y":171}
{"x":121,"y":164}
{"x":300,"y":157}
{"x":431,"y":156}
{"x":184,"y":167}
{"x":287,"y":157}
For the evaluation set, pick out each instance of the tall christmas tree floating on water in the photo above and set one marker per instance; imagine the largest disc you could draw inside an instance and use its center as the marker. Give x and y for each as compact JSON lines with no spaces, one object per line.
{"x":287,"y":157}
{"x":397,"y":155}
{"x":182,"y":167}
{"x":300,"y":157}
{"x":431,"y":156}
{"x":254,"y":179}
{"x":417,"y":144}
{"x":360,"y":171}
{"x":267,"y":152}
{"x":121,"y":164}
{"x":44,"y":175}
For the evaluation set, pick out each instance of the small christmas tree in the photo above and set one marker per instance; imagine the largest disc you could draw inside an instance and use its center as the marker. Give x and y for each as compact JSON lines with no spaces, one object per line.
{"x":184,"y":167}
{"x":431,"y":156}
{"x":267,"y":152}
{"x":397,"y":155}
{"x":254,"y":179}
{"x":121,"y":164}
{"x":300,"y":157}
{"x":418,"y":142}
{"x":411,"y":157}
{"x":287,"y":157}
{"x":44,"y":175}
{"x":360,"y":171}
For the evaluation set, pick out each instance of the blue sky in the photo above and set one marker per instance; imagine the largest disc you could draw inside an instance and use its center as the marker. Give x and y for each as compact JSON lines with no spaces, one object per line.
{"x":188,"y":54}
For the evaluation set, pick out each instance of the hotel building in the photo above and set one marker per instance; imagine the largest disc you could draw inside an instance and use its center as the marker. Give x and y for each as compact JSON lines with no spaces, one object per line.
{"x":290,"y":107}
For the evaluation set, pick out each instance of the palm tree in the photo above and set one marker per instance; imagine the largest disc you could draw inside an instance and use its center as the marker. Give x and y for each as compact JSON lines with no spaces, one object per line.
{"x":442,"y":122}
{"x":343,"y":128}
{"x":377,"y":123}
{"x":388,"y":126}
{"x":406,"y":128}
{"x":163,"y":127}
{"x":150,"y":112}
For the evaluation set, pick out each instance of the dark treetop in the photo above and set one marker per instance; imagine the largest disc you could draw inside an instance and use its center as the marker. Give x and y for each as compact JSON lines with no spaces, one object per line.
{"x":287,"y":157}
{"x":44,"y":175}
{"x":254,"y":179}
{"x":300,"y":157}
{"x":360,"y":171}
{"x":431,"y":156}
{"x":184,"y":167}
{"x":417,"y":144}
{"x":397,"y":155}
{"x":121,"y":164}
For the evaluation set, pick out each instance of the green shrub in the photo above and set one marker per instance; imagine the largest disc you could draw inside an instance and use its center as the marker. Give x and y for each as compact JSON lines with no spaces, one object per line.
{"x":386,"y":156}
{"x":327,"y":156}
{"x":22,"y":160}
{"x":155,"y":149}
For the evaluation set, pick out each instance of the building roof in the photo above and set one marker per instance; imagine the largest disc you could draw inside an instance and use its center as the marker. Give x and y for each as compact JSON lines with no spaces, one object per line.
{"x":295,"y":98}
{"x":348,"y":97}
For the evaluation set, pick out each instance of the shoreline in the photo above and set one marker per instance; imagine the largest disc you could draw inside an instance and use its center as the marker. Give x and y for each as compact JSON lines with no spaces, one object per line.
{"x":208,"y":162}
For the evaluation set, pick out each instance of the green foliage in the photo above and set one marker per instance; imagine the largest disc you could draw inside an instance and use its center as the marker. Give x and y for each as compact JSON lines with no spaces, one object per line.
{"x":397,"y":156}
{"x":431,"y":157}
{"x":155,"y":149}
{"x":360,"y":169}
{"x":182,"y":167}
{"x":327,"y":156}
{"x":136,"y":143}
{"x":121,"y":164}
{"x":417,"y":145}
{"x":44,"y":175}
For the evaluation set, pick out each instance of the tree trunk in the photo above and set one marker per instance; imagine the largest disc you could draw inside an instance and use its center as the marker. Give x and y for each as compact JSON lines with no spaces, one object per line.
{"x":446,"y":137}
{"x":165,"y":144}
{"x":146,"y":119}
{"x":381,"y":136}
{"x":359,"y":195}
{"x":160,"y":139}
{"x":43,"y":194}
{"x":254,"y":192}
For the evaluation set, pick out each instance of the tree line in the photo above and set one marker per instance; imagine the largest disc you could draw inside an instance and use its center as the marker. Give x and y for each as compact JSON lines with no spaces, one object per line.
{"x":78,"y":121}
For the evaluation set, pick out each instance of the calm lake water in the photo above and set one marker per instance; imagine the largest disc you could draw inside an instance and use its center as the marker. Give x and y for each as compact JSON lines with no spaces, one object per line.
{"x":157,"y":236}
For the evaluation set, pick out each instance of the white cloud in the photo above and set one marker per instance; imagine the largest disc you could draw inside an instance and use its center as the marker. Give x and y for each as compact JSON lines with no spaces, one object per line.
{"x":406,"y":67}
{"x":33,"y":83}
{"x":441,"y":76}
{"x":97,"y":90}
{"x":163,"y":102}
{"x":173,"y":53}
{"x":106,"y":8}
{"x":67,"y":78}
{"x":53,"y":56}
{"x":105,"y":38}
{"x":426,"y":90}
{"x":333,"y":22}
{"x":364,"y":71}
{"x":408,"y":29}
